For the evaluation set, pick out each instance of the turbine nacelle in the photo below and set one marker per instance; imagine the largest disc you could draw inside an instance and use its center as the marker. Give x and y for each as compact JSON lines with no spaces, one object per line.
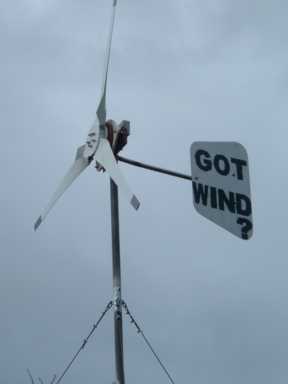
{"x":117,"y":136}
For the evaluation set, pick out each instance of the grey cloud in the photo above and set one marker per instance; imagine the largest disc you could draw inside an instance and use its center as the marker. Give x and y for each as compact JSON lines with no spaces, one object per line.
{"x":213,"y":306}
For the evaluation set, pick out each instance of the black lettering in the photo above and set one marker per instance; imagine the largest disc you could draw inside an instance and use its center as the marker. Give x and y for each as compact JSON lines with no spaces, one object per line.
{"x":202,"y":160}
{"x":200,"y":193}
{"x":243,"y":205}
{"x":213,"y":193}
{"x":240,"y":164}
{"x":246,"y":227}
{"x":222,"y":165}
{"x":226,"y":201}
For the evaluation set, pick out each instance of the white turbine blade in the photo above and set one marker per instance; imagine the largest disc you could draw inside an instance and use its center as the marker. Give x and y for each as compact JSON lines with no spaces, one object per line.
{"x":105,"y":157}
{"x":94,"y":133}
{"x":75,"y":170}
{"x":92,"y":140}
{"x":101,"y":110}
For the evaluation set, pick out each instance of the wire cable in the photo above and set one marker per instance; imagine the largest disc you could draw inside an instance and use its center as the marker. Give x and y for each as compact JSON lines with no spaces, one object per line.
{"x":139,"y":330}
{"x":109,"y":306}
{"x":53,"y":379}
{"x":30,"y":376}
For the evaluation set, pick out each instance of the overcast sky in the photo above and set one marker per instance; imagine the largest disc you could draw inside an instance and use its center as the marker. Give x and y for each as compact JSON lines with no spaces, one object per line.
{"x":213,"y":306}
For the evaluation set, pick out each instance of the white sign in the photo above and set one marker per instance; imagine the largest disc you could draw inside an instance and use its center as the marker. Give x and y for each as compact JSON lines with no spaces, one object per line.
{"x":221,"y":186}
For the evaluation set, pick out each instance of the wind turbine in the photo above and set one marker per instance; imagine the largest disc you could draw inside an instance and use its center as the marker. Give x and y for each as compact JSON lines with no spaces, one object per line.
{"x":104,"y":140}
{"x":210,"y":162}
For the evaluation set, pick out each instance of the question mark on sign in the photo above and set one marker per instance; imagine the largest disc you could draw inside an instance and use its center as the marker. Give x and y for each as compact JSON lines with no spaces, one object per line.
{"x":246,"y":227}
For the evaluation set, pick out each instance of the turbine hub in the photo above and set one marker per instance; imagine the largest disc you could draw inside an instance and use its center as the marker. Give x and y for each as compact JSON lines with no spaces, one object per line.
{"x":117,"y":136}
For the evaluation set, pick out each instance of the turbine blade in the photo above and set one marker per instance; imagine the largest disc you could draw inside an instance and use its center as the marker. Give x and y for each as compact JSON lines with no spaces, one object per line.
{"x":101,"y":110}
{"x":75,"y":170}
{"x":105,"y":157}
{"x":92,"y":140}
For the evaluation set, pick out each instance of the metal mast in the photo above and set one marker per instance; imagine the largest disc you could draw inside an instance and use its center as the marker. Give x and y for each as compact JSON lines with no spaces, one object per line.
{"x":117,"y":300}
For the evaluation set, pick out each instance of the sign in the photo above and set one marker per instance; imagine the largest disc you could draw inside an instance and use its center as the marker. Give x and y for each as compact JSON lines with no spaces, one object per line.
{"x":221,"y":186}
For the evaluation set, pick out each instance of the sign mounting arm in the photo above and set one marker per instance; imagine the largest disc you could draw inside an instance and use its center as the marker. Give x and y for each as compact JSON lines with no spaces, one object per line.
{"x":153,"y":168}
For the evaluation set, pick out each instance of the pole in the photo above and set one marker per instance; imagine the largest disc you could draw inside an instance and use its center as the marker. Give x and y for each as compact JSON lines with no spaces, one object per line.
{"x":153,"y":168}
{"x":117,"y":300}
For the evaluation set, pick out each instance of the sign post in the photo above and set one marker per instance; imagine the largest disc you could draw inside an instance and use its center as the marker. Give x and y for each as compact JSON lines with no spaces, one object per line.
{"x":221,"y":185}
